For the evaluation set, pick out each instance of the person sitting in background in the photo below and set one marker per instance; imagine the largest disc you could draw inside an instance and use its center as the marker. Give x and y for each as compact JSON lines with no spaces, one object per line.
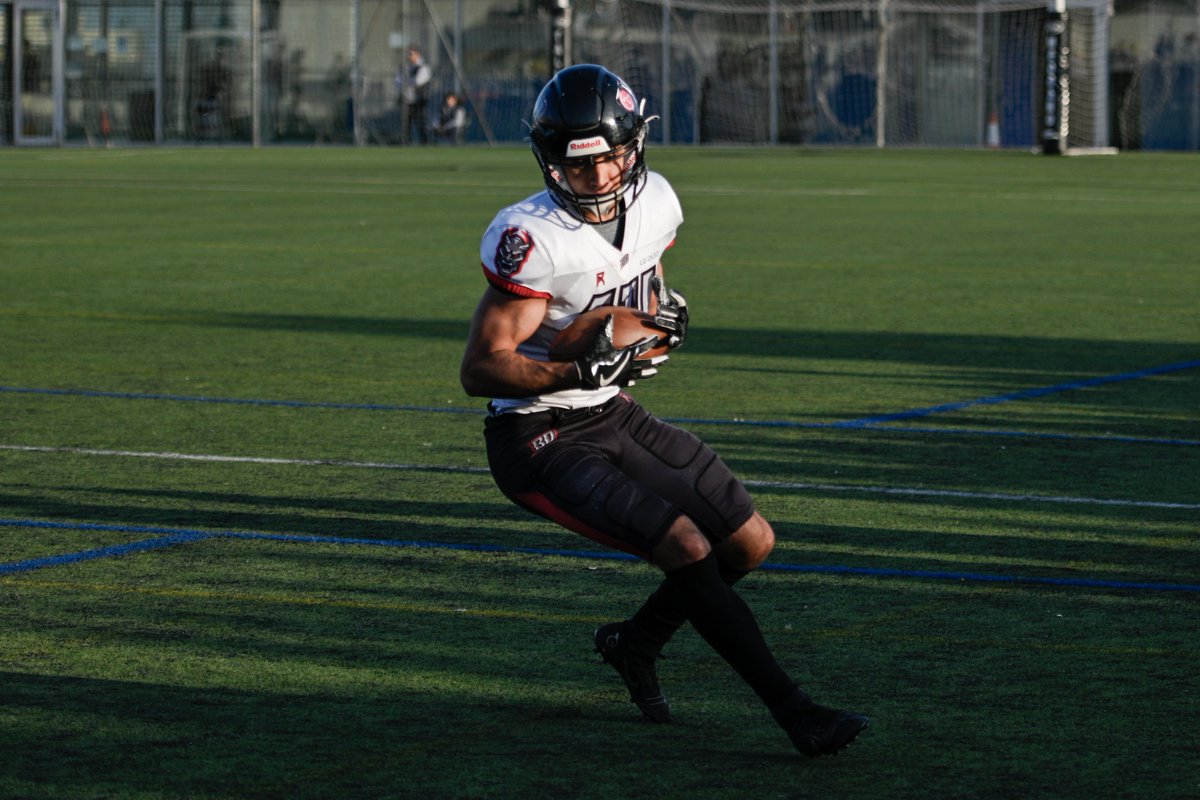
{"x":451,"y":123}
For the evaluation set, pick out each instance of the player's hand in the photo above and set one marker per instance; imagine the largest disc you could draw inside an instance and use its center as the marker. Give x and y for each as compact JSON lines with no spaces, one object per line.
{"x":606,"y":365}
{"x":672,"y":312}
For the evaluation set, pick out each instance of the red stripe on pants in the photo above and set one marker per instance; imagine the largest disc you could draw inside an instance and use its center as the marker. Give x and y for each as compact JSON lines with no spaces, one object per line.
{"x":542,"y":505}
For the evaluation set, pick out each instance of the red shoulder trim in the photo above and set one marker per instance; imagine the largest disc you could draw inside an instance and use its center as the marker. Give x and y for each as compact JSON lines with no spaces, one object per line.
{"x":509,"y":287}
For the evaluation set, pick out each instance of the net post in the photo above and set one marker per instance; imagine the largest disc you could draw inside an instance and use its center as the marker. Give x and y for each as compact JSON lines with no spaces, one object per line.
{"x":560,"y":36}
{"x":881,"y":74}
{"x":1055,"y":122}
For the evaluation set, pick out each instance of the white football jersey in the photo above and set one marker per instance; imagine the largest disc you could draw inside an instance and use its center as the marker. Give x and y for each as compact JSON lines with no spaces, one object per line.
{"x":536,"y":249}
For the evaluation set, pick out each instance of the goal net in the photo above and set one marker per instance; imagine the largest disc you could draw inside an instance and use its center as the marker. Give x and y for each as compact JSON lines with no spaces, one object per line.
{"x":883,"y":72}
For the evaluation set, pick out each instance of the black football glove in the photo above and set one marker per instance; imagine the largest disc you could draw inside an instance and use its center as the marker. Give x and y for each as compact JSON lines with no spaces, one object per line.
{"x":672,"y":313}
{"x":606,"y":365}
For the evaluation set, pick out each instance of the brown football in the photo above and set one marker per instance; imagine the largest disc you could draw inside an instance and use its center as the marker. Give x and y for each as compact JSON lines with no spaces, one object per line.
{"x":629,"y":327}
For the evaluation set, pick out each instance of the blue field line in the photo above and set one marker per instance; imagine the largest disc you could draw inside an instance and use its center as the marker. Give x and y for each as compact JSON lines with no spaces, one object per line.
{"x":174,"y":536}
{"x":989,"y":432}
{"x":1025,"y":394}
{"x":169,"y":538}
{"x":1003,"y":434}
{"x":876,"y":422}
{"x":975,"y":577}
{"x":237,"y":401}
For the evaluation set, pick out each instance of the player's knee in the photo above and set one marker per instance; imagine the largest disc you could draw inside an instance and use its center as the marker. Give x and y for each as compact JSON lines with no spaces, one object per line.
{"x":750,"y":545}
{"x":682,"y":545}
{"x":764,"y":538}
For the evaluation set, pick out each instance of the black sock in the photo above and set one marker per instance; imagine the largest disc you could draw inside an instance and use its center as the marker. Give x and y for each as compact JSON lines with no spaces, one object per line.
{"x":662,"y":615}
{"x":725,"y":621}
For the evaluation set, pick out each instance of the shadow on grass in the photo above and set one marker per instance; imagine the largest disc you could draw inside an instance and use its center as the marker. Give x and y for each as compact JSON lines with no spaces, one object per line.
{"x":1092,"y":542}
{"x":89,"y":737}
{"x":1069,"y":356}
{"x":84,"y":737}
{"x":316,"y":516}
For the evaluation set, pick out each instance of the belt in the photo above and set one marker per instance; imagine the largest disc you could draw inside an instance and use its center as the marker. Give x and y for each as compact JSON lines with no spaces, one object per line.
{"x":557,"y":415}
{"x":560,"y":415}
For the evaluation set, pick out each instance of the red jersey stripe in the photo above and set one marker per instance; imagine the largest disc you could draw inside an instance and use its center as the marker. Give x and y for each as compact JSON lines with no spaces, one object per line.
{"x":508,"y":286}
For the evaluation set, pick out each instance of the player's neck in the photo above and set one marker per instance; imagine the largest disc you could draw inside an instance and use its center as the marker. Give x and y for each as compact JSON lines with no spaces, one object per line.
{"x":612,"y":230}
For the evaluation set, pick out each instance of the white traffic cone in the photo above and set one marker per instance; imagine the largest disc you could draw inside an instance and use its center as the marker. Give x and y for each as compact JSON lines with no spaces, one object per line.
{"x":993,"y":130}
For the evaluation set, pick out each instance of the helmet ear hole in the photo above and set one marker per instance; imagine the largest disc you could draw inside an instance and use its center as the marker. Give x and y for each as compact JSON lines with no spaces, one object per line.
{"x":586,"y":112}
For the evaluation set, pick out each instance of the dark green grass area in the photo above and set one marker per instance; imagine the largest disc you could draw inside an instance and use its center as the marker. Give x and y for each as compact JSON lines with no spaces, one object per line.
{"x":226,"y":341}
{"x":341,"y":671}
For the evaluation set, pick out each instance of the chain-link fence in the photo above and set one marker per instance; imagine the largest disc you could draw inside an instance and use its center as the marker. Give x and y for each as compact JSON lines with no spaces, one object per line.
{"x":860,"y":72}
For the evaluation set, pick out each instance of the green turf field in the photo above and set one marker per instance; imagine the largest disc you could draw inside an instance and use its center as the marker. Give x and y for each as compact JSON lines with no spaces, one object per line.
{"x":249,"y":547}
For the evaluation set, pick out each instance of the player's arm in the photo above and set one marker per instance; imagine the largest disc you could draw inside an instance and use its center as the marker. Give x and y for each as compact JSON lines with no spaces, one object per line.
{"x":655,"y":282}
{"x":669,"y":308}
{"x":491,"y":365}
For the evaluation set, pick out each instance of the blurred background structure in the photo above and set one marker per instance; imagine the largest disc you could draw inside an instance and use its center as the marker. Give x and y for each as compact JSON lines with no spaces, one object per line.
{"x":929,"y":73}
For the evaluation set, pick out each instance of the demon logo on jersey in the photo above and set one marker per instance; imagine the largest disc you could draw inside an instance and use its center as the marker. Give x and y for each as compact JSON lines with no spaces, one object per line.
{"x":513,"y":251}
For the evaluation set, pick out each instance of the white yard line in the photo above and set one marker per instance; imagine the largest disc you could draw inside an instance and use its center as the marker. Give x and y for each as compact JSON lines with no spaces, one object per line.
{"x":798,"y":486}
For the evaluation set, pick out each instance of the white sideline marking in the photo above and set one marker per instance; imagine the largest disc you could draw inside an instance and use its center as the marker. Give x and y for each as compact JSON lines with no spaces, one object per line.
{"x":820,"y":487}
{"x":1013,"y":498}
{"x":302,"y":462}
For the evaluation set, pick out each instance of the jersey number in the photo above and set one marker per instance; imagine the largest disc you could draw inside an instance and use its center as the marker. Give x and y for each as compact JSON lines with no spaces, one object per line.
{"x":634,"y":294}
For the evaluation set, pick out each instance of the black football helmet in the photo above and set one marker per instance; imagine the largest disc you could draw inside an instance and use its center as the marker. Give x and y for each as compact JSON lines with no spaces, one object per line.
{"x":585,"y":115}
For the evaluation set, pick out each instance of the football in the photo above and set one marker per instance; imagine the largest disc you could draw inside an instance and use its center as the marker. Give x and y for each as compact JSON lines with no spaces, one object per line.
{"x":629,"y":327}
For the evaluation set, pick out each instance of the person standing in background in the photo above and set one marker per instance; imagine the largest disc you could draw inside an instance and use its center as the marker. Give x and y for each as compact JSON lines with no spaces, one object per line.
{"x":414,"y":90}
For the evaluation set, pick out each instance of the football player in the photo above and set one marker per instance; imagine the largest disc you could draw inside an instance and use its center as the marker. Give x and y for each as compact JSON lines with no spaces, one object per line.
{"x":564,"y":441}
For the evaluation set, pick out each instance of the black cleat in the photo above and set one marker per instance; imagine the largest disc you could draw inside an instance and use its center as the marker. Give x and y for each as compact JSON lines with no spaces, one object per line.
{"x":816,"y":730}
{"x":637,"y":671}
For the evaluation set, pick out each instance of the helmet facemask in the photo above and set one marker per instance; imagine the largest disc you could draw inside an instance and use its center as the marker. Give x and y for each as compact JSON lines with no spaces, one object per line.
{"x":598,"y":208}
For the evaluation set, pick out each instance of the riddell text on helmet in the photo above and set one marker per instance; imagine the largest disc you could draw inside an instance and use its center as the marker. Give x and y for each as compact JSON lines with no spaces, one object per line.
{"x":585,"y":147}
